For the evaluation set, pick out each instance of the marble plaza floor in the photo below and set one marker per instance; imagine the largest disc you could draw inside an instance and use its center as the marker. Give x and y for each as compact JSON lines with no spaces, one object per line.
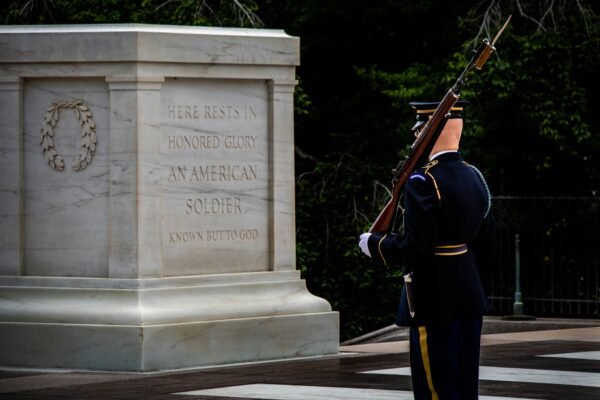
{"x":551,"y":364}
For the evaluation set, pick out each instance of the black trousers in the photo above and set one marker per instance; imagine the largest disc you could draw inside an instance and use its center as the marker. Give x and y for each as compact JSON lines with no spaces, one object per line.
{"x":444,"y":359}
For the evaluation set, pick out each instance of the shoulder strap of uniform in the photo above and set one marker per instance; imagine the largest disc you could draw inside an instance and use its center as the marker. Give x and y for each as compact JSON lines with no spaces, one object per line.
{"x":430,"y":165}
{"x":420,"y":174}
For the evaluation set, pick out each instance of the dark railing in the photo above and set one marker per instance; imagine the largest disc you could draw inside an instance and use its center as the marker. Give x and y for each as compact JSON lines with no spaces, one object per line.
{"x":559,"y":255}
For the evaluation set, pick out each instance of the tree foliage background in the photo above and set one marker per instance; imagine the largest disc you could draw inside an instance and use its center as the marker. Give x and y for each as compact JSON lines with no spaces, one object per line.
{"x":532,"y":127}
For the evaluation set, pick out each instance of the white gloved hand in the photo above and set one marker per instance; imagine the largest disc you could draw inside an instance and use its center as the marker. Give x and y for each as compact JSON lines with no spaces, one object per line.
{"x":364,"y":243}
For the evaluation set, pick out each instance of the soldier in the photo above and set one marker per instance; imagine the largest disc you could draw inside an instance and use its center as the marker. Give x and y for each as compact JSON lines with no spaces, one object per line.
{"x":448,"y":233}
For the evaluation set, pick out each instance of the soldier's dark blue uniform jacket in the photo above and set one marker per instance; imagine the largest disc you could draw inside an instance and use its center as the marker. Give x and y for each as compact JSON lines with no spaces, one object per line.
{"x":447,"y":241}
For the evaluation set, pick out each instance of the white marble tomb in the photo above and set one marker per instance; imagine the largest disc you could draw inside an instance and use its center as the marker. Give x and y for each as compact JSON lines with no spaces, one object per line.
{"x":147,"y":196}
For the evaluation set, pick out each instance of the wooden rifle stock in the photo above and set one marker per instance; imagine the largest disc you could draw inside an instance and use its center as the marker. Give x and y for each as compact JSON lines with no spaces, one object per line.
{"x":422,"y":146}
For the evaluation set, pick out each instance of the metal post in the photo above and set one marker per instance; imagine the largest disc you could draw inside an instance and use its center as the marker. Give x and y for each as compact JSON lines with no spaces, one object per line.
{"x":518,"y":304}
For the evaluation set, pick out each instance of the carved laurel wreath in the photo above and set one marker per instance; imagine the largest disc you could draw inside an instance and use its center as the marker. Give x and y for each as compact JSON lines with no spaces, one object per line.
{"x":88,"y":134}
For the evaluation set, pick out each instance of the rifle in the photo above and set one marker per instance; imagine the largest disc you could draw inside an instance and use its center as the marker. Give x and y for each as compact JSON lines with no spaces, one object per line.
{"x":420,"y":149}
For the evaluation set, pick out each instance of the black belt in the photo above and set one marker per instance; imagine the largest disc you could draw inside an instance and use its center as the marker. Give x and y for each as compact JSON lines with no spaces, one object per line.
{"x":451,"y":250}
